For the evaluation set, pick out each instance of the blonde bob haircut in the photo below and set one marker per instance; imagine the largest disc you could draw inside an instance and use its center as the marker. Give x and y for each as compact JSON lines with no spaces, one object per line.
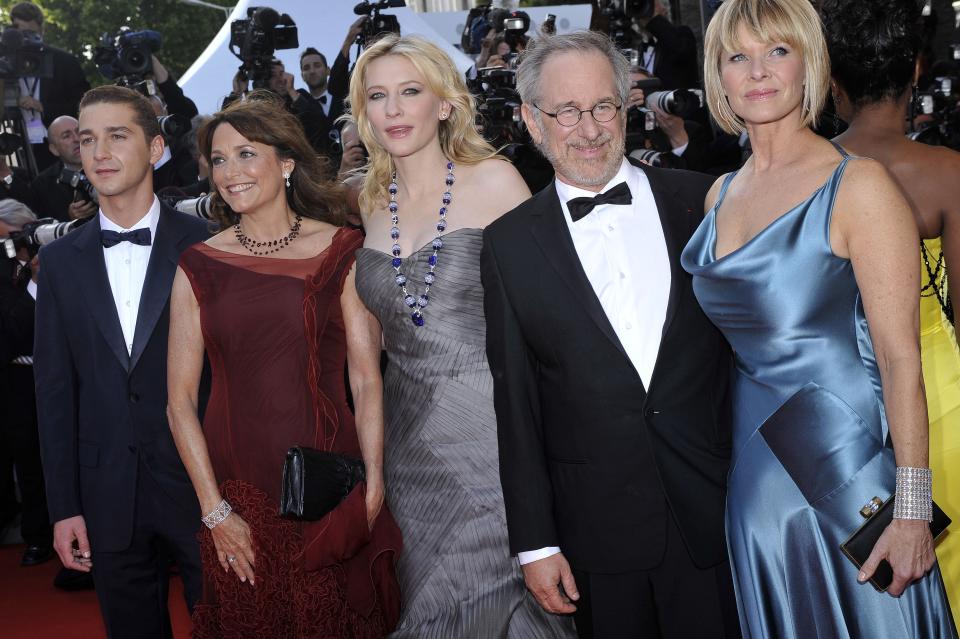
{"x":459,"y":139}
{"x":795,"y":22}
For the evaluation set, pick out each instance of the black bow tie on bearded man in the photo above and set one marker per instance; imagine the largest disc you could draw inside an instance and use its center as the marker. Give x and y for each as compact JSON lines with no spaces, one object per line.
{"x":581,"y":206}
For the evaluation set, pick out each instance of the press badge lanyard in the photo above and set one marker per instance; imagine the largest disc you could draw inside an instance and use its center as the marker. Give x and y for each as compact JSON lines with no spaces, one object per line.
{"x":36,"y":132}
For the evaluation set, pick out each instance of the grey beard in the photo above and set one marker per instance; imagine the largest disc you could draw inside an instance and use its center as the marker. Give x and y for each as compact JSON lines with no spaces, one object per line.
{"x":616,"y":158}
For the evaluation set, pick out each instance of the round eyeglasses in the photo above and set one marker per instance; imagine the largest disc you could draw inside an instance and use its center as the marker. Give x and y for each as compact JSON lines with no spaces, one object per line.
{"x":570,"y":115}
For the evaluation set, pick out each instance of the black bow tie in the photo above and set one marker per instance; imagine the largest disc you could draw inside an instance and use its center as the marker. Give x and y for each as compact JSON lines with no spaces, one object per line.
{"x":136,"y":236}
{"x":580,"y":206}
{"x":322,"y":99}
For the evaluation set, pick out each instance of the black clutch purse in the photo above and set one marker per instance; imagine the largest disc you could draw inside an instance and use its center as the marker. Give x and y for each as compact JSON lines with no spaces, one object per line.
{"x":879,"y":515}
{"x":315,"y":482}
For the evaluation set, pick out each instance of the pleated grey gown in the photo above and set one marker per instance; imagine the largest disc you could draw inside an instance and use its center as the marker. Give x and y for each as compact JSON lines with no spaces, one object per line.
{"x":457,"y":577}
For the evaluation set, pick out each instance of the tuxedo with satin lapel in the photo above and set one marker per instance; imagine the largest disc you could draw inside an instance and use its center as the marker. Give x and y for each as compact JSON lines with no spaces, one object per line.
{"x":107,"y":449}
{"x":591,"y":460}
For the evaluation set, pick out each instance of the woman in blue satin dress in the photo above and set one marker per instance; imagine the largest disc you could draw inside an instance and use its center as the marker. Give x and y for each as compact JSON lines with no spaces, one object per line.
{"x":806,"y":262}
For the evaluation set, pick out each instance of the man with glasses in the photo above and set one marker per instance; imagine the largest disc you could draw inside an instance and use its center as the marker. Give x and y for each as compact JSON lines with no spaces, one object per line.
{"x":609,"y":381}
{"x":43,"y":99}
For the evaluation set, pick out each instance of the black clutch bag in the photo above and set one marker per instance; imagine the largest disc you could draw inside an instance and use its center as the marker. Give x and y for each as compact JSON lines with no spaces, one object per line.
{"x":315,"y":482}
{"x":879,"y":515}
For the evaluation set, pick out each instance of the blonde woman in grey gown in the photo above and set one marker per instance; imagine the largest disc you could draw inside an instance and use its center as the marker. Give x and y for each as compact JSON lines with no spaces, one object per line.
{"x":430,"y":187}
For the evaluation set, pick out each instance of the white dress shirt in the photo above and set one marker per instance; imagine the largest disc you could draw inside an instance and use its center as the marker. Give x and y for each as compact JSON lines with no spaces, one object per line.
{"x":624,"y":254}
{"x":127,"y":269}
{"x":325,"y":105}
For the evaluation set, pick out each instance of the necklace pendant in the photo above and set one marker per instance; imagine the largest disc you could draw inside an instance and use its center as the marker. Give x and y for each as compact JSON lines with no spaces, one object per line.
{"x":417,"y":318}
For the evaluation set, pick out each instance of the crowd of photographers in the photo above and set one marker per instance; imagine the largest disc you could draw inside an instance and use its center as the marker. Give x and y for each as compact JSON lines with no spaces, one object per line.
{"x":44,"y":194}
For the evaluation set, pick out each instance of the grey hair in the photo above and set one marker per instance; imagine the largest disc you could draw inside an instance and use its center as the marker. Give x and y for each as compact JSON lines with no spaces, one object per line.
{"x":535,"y":56}
{"x":15,"y":213}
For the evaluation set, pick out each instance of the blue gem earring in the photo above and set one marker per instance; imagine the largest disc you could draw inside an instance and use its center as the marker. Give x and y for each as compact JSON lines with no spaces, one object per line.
{"x":417,"y":303}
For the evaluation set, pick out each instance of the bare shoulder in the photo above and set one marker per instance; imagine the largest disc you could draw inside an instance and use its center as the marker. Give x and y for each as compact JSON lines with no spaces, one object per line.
{"x":865,"y":184}
{"x":491,"y":188}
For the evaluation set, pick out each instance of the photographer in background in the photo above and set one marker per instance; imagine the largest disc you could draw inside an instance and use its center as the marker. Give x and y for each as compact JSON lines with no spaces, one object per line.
{"x":43,"y":100}
{"x":14,"y":182}
{"x":319,"y":79}
{"x":177,"y":167}
{"x":18,"y":406}
{"x":671,"y":53}
{"x":173,"y":97}
{"x":52,"y":196}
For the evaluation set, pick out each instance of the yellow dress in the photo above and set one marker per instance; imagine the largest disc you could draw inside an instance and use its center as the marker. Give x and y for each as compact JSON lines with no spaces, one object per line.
{"x":941,"y":376}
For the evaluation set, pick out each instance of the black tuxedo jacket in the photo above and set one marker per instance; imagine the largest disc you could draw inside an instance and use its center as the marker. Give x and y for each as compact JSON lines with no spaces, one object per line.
{"x":60,"y":95}
{"x":590,"y":459}
{"x":101,"y":410}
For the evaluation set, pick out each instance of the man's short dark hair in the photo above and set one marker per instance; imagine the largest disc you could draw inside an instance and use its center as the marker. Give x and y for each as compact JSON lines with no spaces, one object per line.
{"x":26,"y":11}
{"x":143,"y":114}
{"x":312,"y":51}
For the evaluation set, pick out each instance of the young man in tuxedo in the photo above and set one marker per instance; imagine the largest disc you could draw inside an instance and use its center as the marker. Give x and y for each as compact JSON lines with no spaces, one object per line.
{"x":116,"y":488}
{"x":609,"y":381}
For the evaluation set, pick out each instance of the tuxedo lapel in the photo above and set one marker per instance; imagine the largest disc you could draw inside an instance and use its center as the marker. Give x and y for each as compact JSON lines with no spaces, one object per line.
{"x":92,"y":276}
{"x":552,"y":235}
{"x":674,"y":218}
{"x":157,"y":283}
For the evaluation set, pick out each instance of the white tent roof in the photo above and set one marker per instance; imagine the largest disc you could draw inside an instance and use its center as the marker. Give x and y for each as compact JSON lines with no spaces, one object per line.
{"x":321,"y":24}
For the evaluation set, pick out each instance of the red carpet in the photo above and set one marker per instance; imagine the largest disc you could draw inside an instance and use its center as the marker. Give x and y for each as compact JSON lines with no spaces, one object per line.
{"x":31,"y":608}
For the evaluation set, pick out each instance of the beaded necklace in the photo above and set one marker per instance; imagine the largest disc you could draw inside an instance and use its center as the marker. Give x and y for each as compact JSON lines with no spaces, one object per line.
{"x":417,"y":303}
{"x":268,"y":247}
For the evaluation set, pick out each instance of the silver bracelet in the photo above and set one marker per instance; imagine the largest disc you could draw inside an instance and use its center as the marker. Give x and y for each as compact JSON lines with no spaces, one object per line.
{"x":217,"y":515}
{"x":914,"y":496}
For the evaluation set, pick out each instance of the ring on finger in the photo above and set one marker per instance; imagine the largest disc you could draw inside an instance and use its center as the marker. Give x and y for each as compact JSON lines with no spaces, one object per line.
{"x":231,"y":559}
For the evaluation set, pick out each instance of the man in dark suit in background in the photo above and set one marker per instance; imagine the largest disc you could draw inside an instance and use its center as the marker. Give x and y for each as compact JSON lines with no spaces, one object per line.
{"x":51,"y":197}
{"x":116,"y":489}
{"x":19,"y":442}
{"x":43,"y":100}
{"x":609,"y":381}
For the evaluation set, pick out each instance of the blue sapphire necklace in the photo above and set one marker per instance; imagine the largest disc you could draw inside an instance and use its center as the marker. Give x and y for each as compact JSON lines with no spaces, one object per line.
{"x":417,"y":302}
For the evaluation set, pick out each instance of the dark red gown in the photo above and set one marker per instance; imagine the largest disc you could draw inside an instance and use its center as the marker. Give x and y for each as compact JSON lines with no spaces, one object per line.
{"x":274,"y":333}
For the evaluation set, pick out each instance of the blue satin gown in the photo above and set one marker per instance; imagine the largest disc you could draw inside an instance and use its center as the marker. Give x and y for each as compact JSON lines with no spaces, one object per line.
{"x":808,"y":435}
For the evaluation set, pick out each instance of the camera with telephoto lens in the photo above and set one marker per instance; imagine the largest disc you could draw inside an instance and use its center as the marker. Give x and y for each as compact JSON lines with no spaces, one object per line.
{"x":77,"y":181}
{"x":201,"y":207}
{"x":683,"y":103}
{"x":377,"y":23}
{"x":10,"y":143}
{"x":126,"y":55}
{"x":174,"y":126}
{"x":255,"y":39}
{"x":22,"y":55}
{"x":38,"y":233}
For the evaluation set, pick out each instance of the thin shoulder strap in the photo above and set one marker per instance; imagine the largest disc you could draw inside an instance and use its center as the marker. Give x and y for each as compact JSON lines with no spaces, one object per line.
{"x":723,"y":189}
{"x":843,"y":152}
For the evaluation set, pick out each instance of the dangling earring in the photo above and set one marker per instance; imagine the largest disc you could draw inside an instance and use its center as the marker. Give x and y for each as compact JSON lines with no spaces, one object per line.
{"x":286,"y":176}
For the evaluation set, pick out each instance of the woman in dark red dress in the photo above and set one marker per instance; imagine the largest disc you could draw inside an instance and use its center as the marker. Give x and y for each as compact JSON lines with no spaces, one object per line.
{"x":272,"y":302}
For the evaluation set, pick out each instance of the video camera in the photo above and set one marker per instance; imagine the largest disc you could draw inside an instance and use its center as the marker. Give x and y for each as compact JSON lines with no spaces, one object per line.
{"x":126,"y":55}
{"x":255,"y":39}
{"x":377,"y":24}
{"x":481,"y":19}
{"x":23,"y":55}
{"x":498,"y":105}
{"x":38,"y":233}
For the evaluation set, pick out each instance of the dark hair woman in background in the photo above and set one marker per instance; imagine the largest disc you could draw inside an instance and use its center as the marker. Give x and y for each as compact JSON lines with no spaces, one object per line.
{"x":874,"y":45}
{"x":271,"y":300}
